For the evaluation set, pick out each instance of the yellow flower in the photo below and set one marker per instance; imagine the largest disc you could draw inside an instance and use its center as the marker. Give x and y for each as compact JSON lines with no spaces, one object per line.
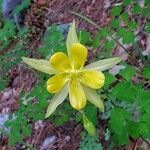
{"x":70,"y":71}
{"x":71,"y":76}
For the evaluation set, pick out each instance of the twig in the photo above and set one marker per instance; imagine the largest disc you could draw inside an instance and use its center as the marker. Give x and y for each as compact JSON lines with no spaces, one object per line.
{"x":136,"y":144}
{"x":97,"y":26}
{"x":147,"y":142}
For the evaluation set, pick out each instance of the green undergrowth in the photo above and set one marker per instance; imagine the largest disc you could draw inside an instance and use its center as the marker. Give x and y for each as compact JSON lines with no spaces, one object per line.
{"x":126,"y":95}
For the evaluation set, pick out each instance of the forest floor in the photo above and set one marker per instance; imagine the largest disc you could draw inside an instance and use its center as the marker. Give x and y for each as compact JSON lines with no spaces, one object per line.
{"x":41,"y":14}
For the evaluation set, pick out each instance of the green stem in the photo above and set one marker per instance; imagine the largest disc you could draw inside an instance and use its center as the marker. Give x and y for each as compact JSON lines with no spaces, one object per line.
{"x":138,"y":50}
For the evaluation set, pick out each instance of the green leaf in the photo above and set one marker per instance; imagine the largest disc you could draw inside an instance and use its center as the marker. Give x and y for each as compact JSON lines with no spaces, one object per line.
{"x":109,"y":45}
{"x":144,"y":100}
{"x":115,"y":23}
{"x":128,"y":38}
{"x":96,"y":40}
{"x":57,"y":100}
{"x":22,"y":6}
{"x":147,"y":2}
{"x":89,"y":143}
{"x":118,"y":125}
{"x":72,"y":37}
{"x":116,"y":10}
{"x":146,"y":12}
{"x":147,"y":27}
{"x":132,"y":25}
{"x":121,"y":31}
{"x":128,"y":73}
{"x":136,"y":9}
{"x":84,"y":37}
{"x":104,"y":32}
{"x":40,"y":64}
{"x":125,"y":16}
{"x":109,"y":79}
{"x":126,"y":2}
{"x":134,"y":129}
{"x":104,"y":64}
{"x":88,"y":125}
{"x":91,"y":112}
{"x":94,"y":98}
{"x":146,"y":72}
{"x":124,"y":91}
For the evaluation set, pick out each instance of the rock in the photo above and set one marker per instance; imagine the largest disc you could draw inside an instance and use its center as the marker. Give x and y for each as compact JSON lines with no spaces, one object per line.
{"x":115,"y":70}
{"x":8,"y":7}
{"x":3,"y":119}
{"x":47,"y":142}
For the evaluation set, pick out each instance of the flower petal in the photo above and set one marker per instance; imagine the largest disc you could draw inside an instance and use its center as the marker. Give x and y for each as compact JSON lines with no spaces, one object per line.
{"x":71,"y":37}
{"x":92,"y":78}
{"x":40,"y":64}
{"x":78,"y":55}
{"x":76,"y":95}
{"x":57,"y":100}
{"x":94,"y":98}
{"x":60,"y":61}
{"x":104,"y":64}
{"x":56,"y":83}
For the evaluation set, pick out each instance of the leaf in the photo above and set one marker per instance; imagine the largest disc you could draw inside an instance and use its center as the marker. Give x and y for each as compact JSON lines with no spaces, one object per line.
{"x":109,"y":45}
{"x":127,"y":73}
{"x":116,"y":10}
{"x":124,"y":91}
{"x":89,"y":143}
{"x":94,"y":98}
{"x":128,"y":38}
{"x":136,"y":9}
{"x":147,"y":2}
{"x":22,"y":6}
{"x":144,"y":100}
{"x":115,"y":23}
{"x":132,"y":25}
{"x":72,"y":37}
{"x":104,"y":64}
{"x":121,"y":31}
{"x":125,"y":16}
{"x":118,"y":125}
{"x":57,"y":100}
{"x":88,"y":125}
{"x":96,"y":40}
{"x":146,"y":72}
{"x":91,"y":112}
{"x":126,"y":2}
{"x":40,"y":64}
{"x":134,"y":129}
{"x":104,"y":32}
{"x":109,"y":79}
{"x":146,"y":12}
{"x":84,"y":37}
{"x":147,"y":27}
